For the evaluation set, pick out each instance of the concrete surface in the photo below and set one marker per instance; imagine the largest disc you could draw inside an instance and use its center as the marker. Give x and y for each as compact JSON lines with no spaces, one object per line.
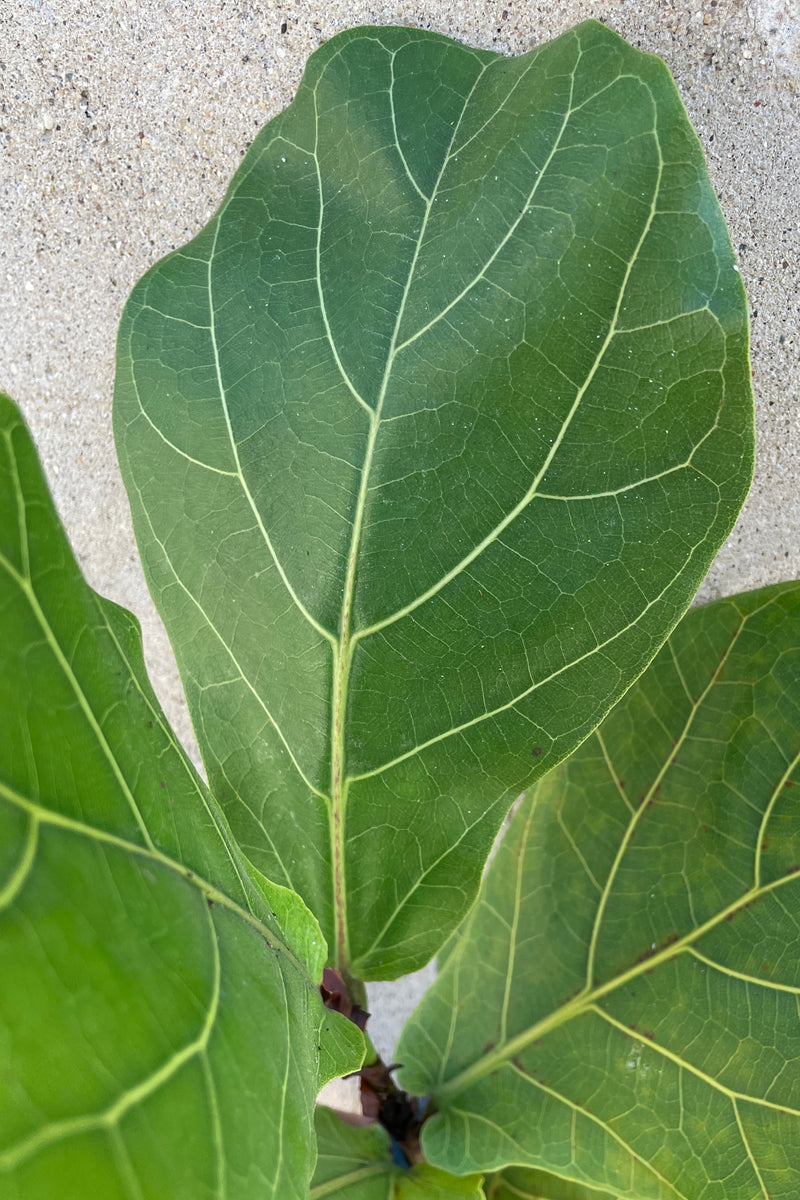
{"x":122,"y":121}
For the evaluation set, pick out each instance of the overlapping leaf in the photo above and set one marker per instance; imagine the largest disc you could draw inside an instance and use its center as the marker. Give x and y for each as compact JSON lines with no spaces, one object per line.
{"x":520,"y":1183}
{"x":430,"y":437}
{"x":356,"y":1164}
{"x":158,"y":1035}
{"x":622,"y":1007}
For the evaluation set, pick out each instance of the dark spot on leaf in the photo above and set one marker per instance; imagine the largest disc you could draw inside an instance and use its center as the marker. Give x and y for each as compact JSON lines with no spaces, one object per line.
{"x":793,"y":870}
{"x":648,"y":1033}
{"x":489,"y":1046}
{"x":536,"y":751}
{"x":163,"y":783}
{"x":209,"y":902}
{"x":789,"y":783}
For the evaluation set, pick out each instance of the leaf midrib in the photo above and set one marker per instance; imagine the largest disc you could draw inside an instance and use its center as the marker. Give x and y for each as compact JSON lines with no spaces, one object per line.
{"x":343,"y":650}
{"x":588,"y":998}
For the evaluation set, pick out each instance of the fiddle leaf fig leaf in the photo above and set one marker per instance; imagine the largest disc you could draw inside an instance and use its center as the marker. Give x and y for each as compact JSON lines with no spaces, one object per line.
{"x":519,"y":1183}
{"x":160,"y":1035}
{"x":430,"y":436}
{"x":355,"y":1163}
{"x":621,"y":1008}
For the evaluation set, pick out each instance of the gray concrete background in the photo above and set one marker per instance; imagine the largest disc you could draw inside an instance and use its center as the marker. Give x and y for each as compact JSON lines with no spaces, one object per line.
{"x":122,"y":121}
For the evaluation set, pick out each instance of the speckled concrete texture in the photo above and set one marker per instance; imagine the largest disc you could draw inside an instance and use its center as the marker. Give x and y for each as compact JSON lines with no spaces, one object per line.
{"x":122,"y":121}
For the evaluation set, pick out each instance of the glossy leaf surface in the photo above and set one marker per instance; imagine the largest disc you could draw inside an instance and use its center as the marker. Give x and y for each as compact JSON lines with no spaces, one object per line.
{"x":430,"y":437}
{"x":355,"y":1164}
{"x":159,"y":1037}
{"x":622,"y":1008}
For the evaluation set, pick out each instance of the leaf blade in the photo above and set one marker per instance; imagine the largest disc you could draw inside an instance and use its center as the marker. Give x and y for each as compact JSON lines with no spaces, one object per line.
{"x":449,"y":445}
{"x":126,"y":910}
{"x":641,"y":1019}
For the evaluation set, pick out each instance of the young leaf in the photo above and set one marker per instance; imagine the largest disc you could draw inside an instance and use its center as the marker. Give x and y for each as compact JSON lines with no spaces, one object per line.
{"x":430,"y":436}
{"x":518,"y":1183}
{"x":355,"y":1164}
{"x":158,"y":1036}
{"x":621,"y":1008}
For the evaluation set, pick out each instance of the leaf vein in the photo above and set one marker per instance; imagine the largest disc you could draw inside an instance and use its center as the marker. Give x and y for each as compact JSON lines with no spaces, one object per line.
{"x":56,"y":1131}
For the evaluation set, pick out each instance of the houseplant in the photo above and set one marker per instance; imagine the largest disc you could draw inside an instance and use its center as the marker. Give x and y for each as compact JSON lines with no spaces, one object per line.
{"x":430,"y":437}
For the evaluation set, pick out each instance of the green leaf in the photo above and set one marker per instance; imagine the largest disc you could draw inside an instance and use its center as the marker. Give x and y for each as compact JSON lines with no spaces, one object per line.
{"x":430,"y":437}
{"x":354,"y":1163}
{"x":622,"y":1007}
{"x":297,"y":922}
{"x":159,"y":1036}
{"x":519,"y":1183}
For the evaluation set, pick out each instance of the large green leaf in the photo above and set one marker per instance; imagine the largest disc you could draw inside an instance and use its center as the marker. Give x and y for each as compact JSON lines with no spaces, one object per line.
{"x":355,"y":1164}
{"x":622,"y":1007}
{"x":430,"y":437}
{"x":159,"y":1037}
